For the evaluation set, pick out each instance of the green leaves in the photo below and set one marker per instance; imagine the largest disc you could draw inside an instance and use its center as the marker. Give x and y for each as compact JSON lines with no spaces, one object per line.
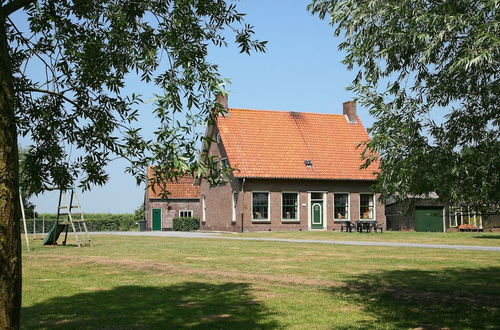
{"x":421,"y":61}
{"x":78,"y":116}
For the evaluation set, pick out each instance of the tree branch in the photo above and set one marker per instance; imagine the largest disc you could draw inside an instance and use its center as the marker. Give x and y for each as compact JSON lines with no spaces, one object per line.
{"x":38,"y":90}
{"x":14,"y":6}
{"x":64,"y":97}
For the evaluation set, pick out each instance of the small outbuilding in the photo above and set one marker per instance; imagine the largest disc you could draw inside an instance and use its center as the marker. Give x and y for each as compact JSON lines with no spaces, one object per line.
{"x":430,"y":214}
{"x":183,"y":200}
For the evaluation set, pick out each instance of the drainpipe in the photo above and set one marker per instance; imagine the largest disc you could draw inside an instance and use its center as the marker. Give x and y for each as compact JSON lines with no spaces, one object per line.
{"x":243,"y":197}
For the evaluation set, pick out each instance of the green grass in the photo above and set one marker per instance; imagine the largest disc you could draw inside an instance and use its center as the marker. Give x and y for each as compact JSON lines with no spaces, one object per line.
{"x":456,"y":238}
{"x":175,"y":283}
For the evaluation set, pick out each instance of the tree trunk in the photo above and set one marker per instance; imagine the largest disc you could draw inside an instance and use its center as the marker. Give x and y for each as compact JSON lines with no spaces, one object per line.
{"x":10,"y":240}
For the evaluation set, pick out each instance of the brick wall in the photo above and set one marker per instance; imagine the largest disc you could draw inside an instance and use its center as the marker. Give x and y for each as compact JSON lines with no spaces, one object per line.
{"x":218,"y":200}
{"x":170,"y":209}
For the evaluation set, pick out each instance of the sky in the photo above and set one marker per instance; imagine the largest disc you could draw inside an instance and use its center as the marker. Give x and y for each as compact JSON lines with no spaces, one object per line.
{"x":300,"y":71}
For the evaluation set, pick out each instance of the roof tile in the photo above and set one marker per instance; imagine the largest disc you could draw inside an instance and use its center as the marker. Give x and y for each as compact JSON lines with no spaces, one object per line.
{"x":183,"y":188}
{"x":275,"y":144}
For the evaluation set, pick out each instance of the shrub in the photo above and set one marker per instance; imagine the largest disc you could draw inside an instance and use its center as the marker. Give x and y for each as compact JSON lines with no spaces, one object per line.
{"x":94,"y":222}
{"x":186,"y":224}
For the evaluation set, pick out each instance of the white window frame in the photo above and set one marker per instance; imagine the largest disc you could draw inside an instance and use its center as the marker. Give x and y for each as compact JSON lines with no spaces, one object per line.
{"x":348,"y":218}
{"x":234,"y":195}
{"x":268,"y":207}
{"x":221,"y":161}
{"x":452,"y":217}
{"x":217,"y":138}
{"x":374,"y":206}
{"x":191,"y":211}
{"x":297,"y":219}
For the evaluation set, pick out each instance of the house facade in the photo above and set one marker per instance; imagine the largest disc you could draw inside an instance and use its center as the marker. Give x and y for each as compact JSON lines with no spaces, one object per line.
{"x":183,"y":200}
{"x":290,"y":171}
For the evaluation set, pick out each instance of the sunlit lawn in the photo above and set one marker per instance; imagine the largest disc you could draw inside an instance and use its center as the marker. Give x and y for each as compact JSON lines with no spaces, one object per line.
{"x":456,"y":238}
{"x":173,"y":283}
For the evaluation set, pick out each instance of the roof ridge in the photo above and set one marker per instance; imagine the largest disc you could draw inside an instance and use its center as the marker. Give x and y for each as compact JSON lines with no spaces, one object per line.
{"x":287,"y":111}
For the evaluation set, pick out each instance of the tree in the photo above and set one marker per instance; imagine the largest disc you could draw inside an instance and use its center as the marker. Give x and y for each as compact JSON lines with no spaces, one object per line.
{"x":419,"y":61}
{"x":29,"y":208}
{"x":139,"y":213}
{"x":78,"y":115}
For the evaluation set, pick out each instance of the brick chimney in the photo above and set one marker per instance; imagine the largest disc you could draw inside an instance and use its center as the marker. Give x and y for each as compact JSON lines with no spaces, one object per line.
{"x":222,"y":100}
{"x":350,"y":111}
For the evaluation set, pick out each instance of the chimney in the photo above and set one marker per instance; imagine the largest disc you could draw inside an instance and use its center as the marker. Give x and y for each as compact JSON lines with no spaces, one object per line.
{"x":222,"y":100}
{"x":350,"y":111}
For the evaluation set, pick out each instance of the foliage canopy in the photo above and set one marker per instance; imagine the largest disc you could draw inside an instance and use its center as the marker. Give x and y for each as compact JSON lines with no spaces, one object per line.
{"x":88,"y":49}
{"x":429,"y":71}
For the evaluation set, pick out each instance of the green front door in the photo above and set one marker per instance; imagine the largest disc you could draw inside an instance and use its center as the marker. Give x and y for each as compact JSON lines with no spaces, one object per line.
{"x":429,"y":219}
{"x":317,"y":215}
{"x":156,"y":219}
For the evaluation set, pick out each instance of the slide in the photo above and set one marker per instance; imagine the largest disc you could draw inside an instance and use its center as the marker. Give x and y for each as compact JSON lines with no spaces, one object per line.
{"x":49,"y":240}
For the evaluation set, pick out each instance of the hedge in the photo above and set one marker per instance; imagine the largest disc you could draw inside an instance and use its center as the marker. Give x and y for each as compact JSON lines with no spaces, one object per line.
{"x":186,"y":224}
{"x":94,"y":222}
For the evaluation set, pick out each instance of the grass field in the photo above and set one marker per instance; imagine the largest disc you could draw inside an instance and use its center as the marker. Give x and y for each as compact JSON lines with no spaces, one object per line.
{"x":468,"y":238}
{"x":175,"y":283}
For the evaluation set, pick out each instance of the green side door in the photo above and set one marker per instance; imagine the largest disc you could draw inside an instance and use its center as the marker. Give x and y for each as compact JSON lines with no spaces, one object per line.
{"x":156,"y":219}
{"x":429,"y":219}
{"x":317,"y":215}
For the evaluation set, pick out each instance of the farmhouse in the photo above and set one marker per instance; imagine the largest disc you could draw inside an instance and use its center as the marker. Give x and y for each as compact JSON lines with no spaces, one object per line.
{"x":291,"y":171}
{"x":183,"y":200}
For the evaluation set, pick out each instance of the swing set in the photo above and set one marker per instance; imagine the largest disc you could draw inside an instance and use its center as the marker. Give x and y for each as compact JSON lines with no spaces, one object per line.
{"x":69,"y":213}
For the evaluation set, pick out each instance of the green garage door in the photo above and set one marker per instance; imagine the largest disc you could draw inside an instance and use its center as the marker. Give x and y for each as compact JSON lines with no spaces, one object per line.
{"x":429,"y":219}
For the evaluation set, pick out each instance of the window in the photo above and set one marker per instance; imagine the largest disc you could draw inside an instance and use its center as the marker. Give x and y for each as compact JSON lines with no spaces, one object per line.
{"x":234,"y":200}
{"x":289,"y":206}
{"x":185,"y":214}
{"x":341,"y":206}
{"x":317,"y":196}
{"x":260,"y":206}
{"x":224,"y":163}
{"x":455,"y":216}
{"x":217,"y":137}
{"x":366,"y":207}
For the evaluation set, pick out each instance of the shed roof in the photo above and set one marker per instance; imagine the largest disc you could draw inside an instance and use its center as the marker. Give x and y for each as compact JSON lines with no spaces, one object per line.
{"x":183,"y":188}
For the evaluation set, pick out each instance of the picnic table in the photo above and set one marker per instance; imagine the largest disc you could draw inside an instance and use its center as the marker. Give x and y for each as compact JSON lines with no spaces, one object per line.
{"x":347,"y":226}
{"x":364,"y":225}
{"x":360,"y":226}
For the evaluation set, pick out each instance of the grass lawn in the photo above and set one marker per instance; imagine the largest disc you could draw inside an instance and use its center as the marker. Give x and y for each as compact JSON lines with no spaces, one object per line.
{"x":466,"y":238}
{"x":175,"y":283}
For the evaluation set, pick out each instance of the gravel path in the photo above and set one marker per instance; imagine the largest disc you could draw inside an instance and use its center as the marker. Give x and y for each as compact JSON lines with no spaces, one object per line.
{"x":288,"y":240}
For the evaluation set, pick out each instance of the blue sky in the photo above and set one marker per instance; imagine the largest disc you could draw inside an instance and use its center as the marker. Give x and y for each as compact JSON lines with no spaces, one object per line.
{"x":301,"y":71}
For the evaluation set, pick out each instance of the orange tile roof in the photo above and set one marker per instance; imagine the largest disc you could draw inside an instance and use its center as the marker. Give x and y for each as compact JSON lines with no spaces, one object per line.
{"x":275,"y":144}
{"x":183,"y":188}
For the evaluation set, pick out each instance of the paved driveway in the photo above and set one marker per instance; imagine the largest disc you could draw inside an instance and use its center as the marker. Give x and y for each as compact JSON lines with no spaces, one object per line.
{"x":288,"y":240}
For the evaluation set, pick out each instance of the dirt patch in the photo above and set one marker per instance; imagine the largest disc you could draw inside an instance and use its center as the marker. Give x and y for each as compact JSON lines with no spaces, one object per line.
{"x":169,"y":269}
{"x":199,"y":258}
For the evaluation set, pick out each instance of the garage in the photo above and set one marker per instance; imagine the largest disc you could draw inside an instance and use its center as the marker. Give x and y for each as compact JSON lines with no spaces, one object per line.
{"x":429,"y":218}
